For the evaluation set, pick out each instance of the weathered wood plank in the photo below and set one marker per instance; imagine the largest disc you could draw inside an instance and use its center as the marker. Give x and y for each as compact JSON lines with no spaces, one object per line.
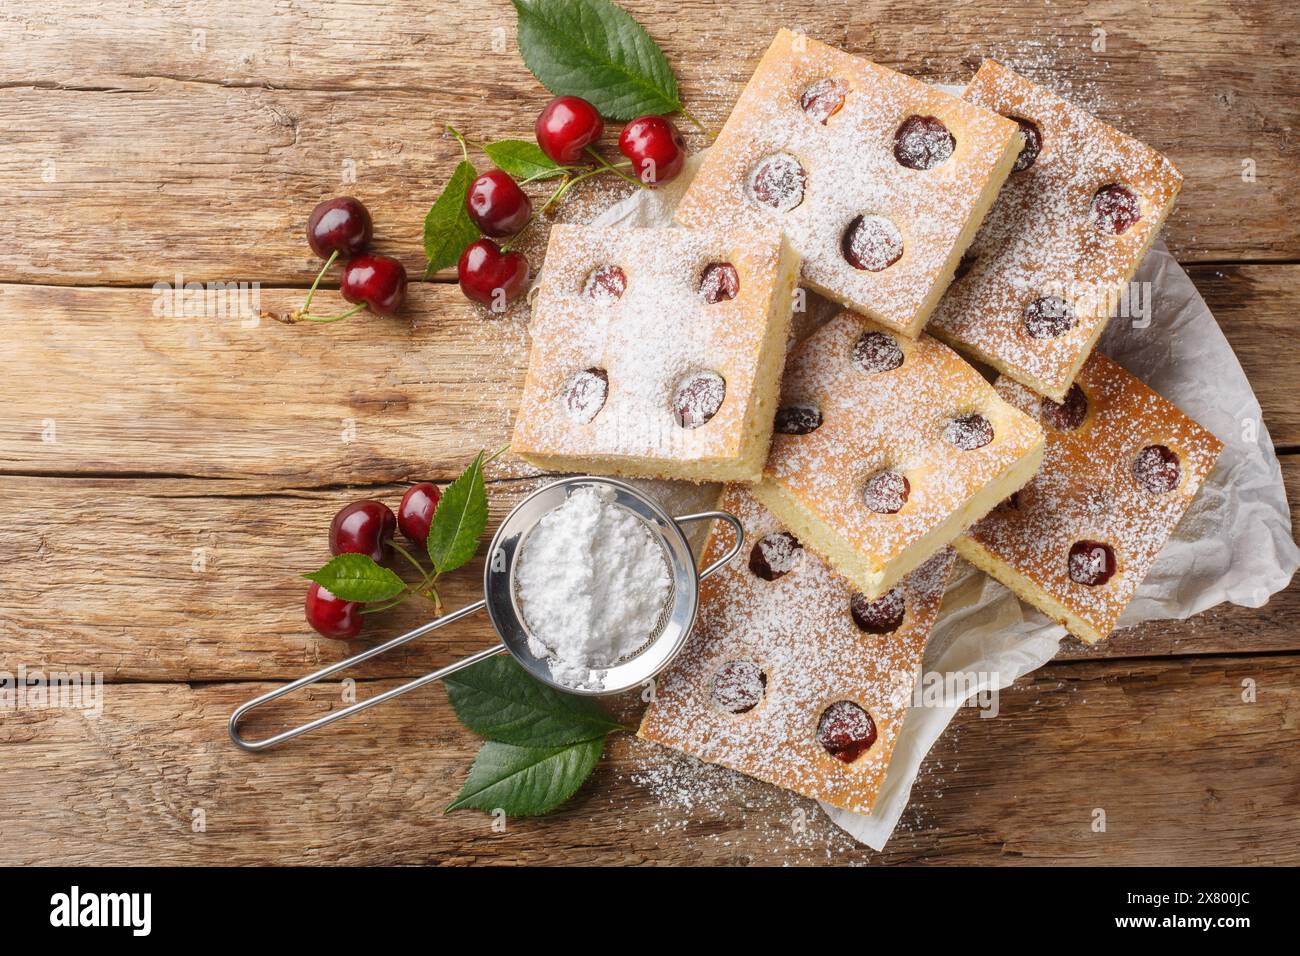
{"x":1022,"y":788}
{"x":365,"y":400}
{"x":190,"y":580}
{"x":145,"y":140}
{"x":368,"y":400}
{"x":158,"y":580}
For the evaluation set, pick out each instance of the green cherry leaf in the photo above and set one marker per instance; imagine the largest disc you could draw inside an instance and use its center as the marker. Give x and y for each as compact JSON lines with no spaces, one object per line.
{"x":522,"y":160}
{"x":447,"y":227}
{"x":527,"y":781}
{"x":459,"y":520}
{"x":356,"y":577}
{"x":499,"y":700}
{"x":594,"y":49}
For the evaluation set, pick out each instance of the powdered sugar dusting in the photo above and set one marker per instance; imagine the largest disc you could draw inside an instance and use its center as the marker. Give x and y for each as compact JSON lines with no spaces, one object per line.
{"x":592,"y":583}
{"x":1086,"y":491}
{"x":814,"y":170}
{"x":889,"y":421}
{"x":798,"y":629}
{"x":680,"y":371}
{"x":1041,"y":240}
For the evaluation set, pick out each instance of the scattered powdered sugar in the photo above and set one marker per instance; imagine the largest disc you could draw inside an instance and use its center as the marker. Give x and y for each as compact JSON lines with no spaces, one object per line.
{"x":677,"y":372}
{"x":592,"y":583}
{"x":887,"y":404}
{"x":771,"y":654}
{"x":1040,"y":243}
{"x":1086,"y":491}
{"x":810,"y":146}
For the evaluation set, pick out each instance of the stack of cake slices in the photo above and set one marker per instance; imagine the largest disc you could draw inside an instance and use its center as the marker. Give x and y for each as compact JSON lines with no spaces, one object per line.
{"x":866,"y":458}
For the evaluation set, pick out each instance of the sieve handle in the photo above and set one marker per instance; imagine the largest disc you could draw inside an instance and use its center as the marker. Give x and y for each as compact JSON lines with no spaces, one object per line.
{"x":732,"y":520}
{"x":256,"y":745}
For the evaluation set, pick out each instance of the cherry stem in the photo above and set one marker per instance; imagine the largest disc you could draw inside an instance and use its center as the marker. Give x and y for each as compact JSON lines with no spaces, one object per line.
{"x":460,"y":138}
{"x":324,"y":269}
{"x":548,"y":173}
{"x":505,"y":246}
{"x":569,"y":184}
{"x":332,"y":318}
{"x":376,"y":608}
{"x":687,"y":113}
{"x":613,"y":169}
{"x":424,"y":575}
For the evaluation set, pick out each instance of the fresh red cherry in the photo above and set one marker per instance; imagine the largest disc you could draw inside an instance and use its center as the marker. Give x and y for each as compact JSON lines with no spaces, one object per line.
{"x":339,"y":225}
{"x":331,"y":617}
{"x":567,"y":126}
{"x":363,"y":527}
{"x":415,"y":513}
{"x":655,"y":147}
{"x":377,"y":281}
{"x":497,"y":205}
{"x":491,"y":276}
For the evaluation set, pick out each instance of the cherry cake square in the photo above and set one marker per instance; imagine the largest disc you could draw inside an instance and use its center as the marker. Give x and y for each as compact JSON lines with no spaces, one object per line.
{"x":790,"y":675}
{"x":657,"y":352}
{"x":878,"y":180}
{"x":1121,"y":468}
{"x":1061,"y":244}
{"x":887,"y":448}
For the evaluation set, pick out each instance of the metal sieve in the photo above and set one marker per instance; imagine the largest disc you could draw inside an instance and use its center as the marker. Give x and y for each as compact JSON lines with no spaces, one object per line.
{"x":500,"y":601}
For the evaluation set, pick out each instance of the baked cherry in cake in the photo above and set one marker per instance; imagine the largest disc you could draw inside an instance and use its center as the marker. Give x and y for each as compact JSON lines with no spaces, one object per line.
{"x":605,"y":284}
{"x":738,"y":686}
{"x":872,"y":243}
{"x":968,"y":432}
{"x":698,"y":398}
{"x":846,"y":731}
{"x":879,"y":180}
{"x":796,"y":419}
{"x":800,"y":681}
{"x":885,"y":493}
{"x":884,"y":615}
{"x":1062,"y":241}
{"x":656,"y":352}
{"x":923,"y":142}
{"x":585,"y":394}
{"x":719,"y":281}
{"x":1033,"y":145}
{"x":876,"y":352}
{"x":1156,"y":469}
{"x":1067,"y":415}
{"x":1115,"y":209}
{"x":778,"y":182}
{"x":824,"y":99}
{"x":1084,"y":532}
{"x":1048,"y":317}
{"x":775,"y":555}
{"x":1091,"y":563}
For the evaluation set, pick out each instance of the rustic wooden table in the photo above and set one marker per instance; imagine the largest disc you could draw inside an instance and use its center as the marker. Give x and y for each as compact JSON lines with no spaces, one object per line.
{"x":165,"y":478}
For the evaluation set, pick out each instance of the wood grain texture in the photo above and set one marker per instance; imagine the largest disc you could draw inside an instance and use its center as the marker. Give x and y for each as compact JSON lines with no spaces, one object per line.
{"x":1021,"y":788}
{"x":157,"y":580}
{"x":142,"y":140}
{"x":165,"y":479}
{"x":368,"y":400}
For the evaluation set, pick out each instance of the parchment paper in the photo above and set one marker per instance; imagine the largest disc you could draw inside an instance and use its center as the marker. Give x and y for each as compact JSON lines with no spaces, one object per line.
{"x":1234,"y":544}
